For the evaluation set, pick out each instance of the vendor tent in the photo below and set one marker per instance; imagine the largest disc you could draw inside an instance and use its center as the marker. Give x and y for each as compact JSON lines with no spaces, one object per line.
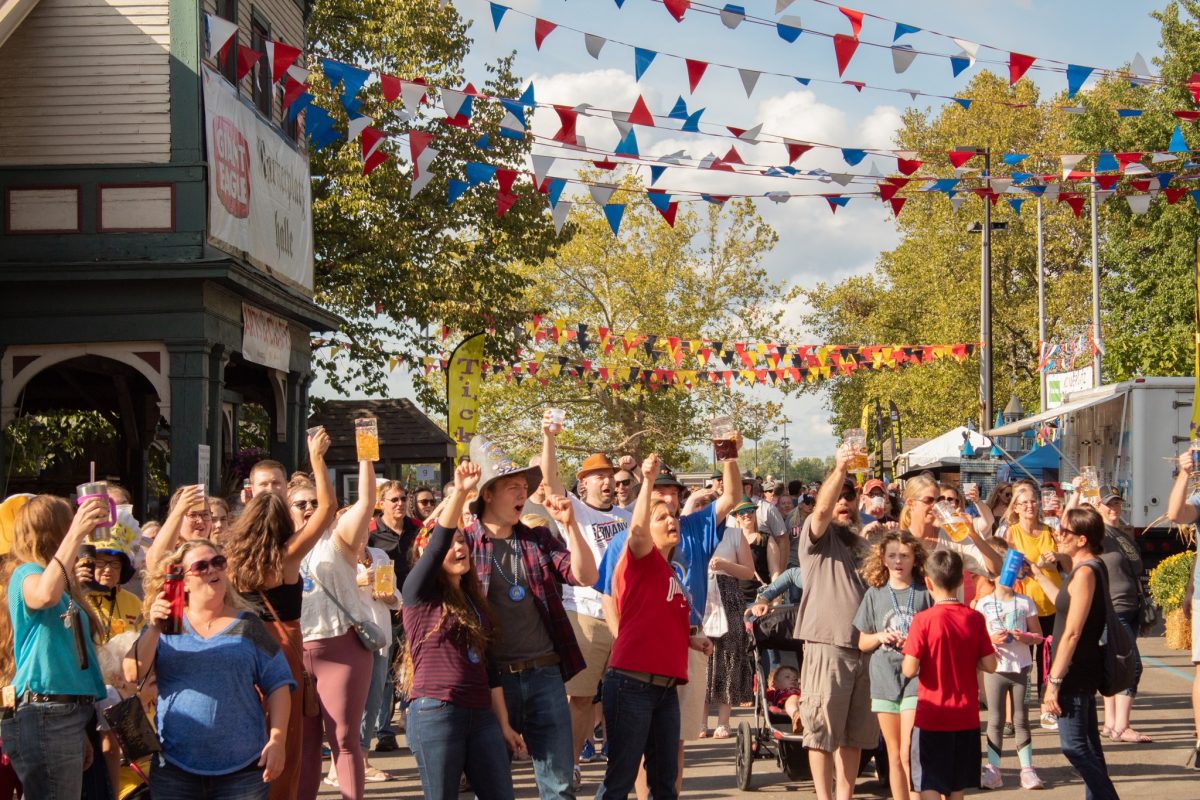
{"x":943,"y":448}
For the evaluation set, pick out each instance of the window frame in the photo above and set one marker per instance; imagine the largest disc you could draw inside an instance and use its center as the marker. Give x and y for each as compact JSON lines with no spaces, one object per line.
{"x":261,"y":91}
{"x":227,"y":58}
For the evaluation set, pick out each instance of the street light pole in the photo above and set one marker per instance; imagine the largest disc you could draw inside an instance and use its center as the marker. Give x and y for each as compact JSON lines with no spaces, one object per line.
{"x":985,"y":300}
{"x":1096,"y":380}
{"x":1041,"y":267}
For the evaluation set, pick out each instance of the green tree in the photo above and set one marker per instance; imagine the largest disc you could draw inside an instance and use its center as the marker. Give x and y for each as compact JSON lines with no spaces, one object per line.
{"x":700,"y":278}
{"x":397,"y":268}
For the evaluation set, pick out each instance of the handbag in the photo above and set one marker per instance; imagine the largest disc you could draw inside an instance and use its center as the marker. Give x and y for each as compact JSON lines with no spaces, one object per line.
{"x":129,"y":723}
{"x":715,"y":623}
{"x":310,"y":703}
{"x":369,"y":634}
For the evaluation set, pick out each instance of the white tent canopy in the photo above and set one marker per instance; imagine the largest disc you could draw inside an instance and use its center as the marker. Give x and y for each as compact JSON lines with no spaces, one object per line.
{"x":948,"y":445}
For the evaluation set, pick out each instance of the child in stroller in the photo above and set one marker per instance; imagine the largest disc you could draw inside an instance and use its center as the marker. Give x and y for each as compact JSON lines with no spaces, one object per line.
{"x":783,"y":695}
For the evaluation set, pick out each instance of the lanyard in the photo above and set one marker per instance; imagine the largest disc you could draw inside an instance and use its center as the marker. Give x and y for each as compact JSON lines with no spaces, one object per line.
{"x":905,"y":617}
{"x":516,"y":592}
{"x":997,"y":612}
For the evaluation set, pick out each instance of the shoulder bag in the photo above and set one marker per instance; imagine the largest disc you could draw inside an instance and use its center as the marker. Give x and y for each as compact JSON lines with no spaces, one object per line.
{"x":368,"y":632}
{"x":129,"y":723}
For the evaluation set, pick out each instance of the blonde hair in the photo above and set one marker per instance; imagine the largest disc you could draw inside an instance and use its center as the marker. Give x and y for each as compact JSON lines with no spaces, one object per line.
{"x":775,"y":674}
{"x":154,"y":581}
{"x":913,"y":487}
{"x":1011,"y":515}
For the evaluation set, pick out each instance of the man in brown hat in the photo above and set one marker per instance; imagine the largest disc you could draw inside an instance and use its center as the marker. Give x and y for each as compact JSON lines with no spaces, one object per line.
{"x":600,"y":520}
{"x":522,"y":570}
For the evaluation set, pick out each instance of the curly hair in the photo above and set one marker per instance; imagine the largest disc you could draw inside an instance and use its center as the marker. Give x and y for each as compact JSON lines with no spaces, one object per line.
{"x":257,"y":539}
{"x":38,"y":530}
{"x":875,"y":571}
{"x":154,"y":580}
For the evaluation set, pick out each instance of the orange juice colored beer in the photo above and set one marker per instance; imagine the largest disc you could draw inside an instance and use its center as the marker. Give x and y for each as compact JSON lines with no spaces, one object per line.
{"x":366,"y":439}
{"x":958,"y":531}
{"x":385,"y":579}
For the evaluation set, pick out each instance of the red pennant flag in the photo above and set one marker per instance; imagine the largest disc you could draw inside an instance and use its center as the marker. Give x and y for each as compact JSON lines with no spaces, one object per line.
{"x":606,"y":165}
{"x":245,"y":61}
{"x":897,"y":204}
{"x":855,"y":17}
{"x":960,"y":157}
{"x":1125,"y":159}
{"x":293,"y":89}
{"x":504,"y":201}
{"x":669,"y":213}
{"x":677,"y":8}
{"x":858,"y":85}
{"x":1173,"y":195}
{"x":282,"y":57}
{"x":390,"y":85}
{"x":1018,"y":65}
{"x":795,"y":150}
{"x":505,"y":178}
{"x":843,"y":48}
{"x":566,"y":119}
{"x":640,"y":115}
{"x":374,"y":160}
{"x":541,"y":29}
{"x":887,"y":190}
{"x":1107,"y":181}
{"x":733,"y":157}
{"x":417,"y":142}
{"x":1188,"y":116}
{"x":1193,"y":85}
{"x":737,"y":132}
{"x":908,"y":167}
{"x":1140,"y":186}
{"x":833,"y":207}
{"x":695,"y":70}
{"x":1074,"y":201}
{"x":370,"y":142}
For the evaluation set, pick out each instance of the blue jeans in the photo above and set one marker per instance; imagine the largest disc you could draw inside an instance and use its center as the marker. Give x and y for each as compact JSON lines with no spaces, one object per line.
{"x":640,"y":720}
{"x":44,"y":741}
{"x":169,"y":782}
{"x":1079,"y":735}
{"x":1131,"y":621}
{"x":448,"y":740}
{"x":537,"y":709}
{"x":375,"y":698}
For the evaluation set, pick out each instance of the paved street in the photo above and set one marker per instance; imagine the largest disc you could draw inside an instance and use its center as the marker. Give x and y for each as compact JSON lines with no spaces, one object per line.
{"x":1162,"y":710}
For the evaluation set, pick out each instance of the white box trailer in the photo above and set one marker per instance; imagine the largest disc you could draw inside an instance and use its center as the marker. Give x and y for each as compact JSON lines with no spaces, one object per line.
{"x":1131,"y":432}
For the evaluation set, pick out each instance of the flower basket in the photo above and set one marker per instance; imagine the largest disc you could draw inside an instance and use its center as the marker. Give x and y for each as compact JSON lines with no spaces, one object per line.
{"x":1168,"y":585}
{"x":1179,"y":630}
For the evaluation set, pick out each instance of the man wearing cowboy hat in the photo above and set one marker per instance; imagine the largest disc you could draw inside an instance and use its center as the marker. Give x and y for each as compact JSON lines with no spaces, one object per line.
{"x":600,"y":520}
{"x":521,"y":570}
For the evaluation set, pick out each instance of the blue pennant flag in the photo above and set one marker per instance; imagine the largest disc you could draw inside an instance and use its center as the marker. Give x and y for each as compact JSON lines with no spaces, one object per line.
{"x":943,"y":185}
{"x":482,"y":143}
{"x":802,"y":81}
{"x":1021,"y":177}
{"x":628,"y":146}
{"x":478,"y":172}
{"x":299,"y":104}
{"x":320,"y":138}
{"x":351,"y":78}
{"x":514,"y":107}
{"x":642,"y":58}
{"x":692,"y":124}
{"x":613,"y":212}
{"x":661,"y":200}
{"x":1195,"y":193}
{"x":853,"y":156}
{"x":1037,"y":189}
{"x":527,"y":96}
{"x":508,"y":133}
{"x":554,"y":190}
{"x":790,"y":170}
{"x":620,"y":3}
{"x":498,"y":12}
{"x":965,"y":102}
{"x":1178,"y":144}
{"x":1164,"y":178}
{"x":1076,"y":75}
{"x":958,"y":64}
{"x":1129,"y":112}
{"x":774,"y":172}
{"x":656,"y":172}
{"x":838,"y":200}
{"x":1107,"y":162}
{"x":1012,"y":159}
{"x":1016,"y":203}
{"x":455,"y":190}
{"x":904,"y":30}
{"x":788,"y":33}
{"x":679,"y":110}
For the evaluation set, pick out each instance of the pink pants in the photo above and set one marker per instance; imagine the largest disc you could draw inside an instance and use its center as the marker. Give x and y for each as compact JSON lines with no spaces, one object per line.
{"x":341,"y":667}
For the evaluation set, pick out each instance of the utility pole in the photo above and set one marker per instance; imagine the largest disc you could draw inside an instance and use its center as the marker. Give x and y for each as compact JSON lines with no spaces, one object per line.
{"x":1041,"y":267}
{"x":985,"y":300}
{"x":1096,"y":380}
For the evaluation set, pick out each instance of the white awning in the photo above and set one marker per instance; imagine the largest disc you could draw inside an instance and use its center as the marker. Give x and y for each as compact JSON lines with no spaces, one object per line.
{"x":1092,"y":399}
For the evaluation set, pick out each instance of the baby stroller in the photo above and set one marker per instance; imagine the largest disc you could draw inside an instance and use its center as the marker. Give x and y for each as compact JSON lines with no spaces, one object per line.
{"x":771,"y":736}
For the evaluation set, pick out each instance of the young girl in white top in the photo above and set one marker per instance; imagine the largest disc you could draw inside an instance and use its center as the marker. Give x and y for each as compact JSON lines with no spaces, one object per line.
{"x":1012,"y":620}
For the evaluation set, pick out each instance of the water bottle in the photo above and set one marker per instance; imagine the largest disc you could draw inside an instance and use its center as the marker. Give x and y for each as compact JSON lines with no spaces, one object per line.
{"x":173,"y":589}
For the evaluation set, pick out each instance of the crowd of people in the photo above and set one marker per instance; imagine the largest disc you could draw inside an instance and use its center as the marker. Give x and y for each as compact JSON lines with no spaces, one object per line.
{"x":272,"y":643}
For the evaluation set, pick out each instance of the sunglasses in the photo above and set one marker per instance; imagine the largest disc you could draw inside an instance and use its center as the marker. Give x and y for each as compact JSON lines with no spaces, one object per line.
{"x":195,"y":516}
{"x":928,"y":500}
{"x":429,"y":501}
{"x":848,"y":494}
{"x":622,"y":483}
{"x":300,"y":505}
{"x":204,"y":565}
{"x":950,"y":499}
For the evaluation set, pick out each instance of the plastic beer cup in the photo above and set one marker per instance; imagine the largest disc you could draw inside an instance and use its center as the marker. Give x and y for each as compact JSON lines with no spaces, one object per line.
{"x":724,"y":438}
{"x":385,"y":578}
{"x":366,"y":438}
{"x":954,"y":523}
{"x":857,"y":439}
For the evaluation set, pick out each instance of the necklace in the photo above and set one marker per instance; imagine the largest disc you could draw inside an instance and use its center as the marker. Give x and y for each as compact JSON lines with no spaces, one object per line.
{"x":516,"y":592}
{"x":1006,"y":620}
{"x":473,"y":654}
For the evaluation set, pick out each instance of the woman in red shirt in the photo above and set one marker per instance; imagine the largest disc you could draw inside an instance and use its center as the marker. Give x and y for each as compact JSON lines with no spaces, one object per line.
{"x":649,"y":658}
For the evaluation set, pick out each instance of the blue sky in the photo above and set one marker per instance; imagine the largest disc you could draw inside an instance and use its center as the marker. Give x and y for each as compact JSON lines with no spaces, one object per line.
{"x":814,"y":245}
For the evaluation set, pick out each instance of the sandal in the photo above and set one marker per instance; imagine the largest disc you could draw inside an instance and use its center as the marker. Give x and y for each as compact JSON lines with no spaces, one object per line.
{"x":376,"y":775}
{"x":1107,"y":732}
{"x":722,"y":732}
{"x":703,"y":734}
{"x":1130,"y":736}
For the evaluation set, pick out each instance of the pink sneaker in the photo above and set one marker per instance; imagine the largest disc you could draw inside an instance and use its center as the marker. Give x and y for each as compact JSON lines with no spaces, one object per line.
{"x":1030,"y":779}
{"x":991,"y":778}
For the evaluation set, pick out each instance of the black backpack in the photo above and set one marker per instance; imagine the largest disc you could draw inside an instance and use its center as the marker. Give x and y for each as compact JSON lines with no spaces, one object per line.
{"x":1118,"y":662}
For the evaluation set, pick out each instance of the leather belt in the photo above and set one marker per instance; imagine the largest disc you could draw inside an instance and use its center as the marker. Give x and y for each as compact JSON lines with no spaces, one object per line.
{"x":34,"y":697}
{"x":533,"y":663}
{"x":647,"y":677}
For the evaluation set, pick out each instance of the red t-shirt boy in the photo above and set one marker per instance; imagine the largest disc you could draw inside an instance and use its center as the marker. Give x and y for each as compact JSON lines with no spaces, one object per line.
{"x":946,"y":645}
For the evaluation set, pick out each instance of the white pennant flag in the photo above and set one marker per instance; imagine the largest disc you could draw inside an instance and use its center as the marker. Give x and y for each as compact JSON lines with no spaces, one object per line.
{"x":875,"y":173}
{"x":541,"y":168}
{"x":903,"y":56}
{"x":1069,"y":163}
{"x":452,"y":101}
{"x":970,"y":48}
{"x":732,"y":18}
{"x":1138,"y":203}
{"x":913,"y":93}
{"x":782,"y":5}
{"x":594,"y":44}
{"x":621,"y":120}
{"x":957,"y":201}
{"x":779,"y":196}
{"x":355,"y":127}
{"x":707,"y":161}
{"x":751,"y":135}
{"x":299,"y":74}
{"x":220,"y":31}
{"x":842,"y":178}
{"x":511,"y":123}
{"x":1001,"y":185}
{"x":1051,"y":193}
{"x":1102,"y":196}
{"x":426,"y":158}
{"x":1162,"y":158}
{"x":421,"y":180}
{"x":1136,"y":168}
{"x":1139,"y":73}
{"x":411,"y":94}
{"x":602,"y":192}
{"x":749,"y":79}
{"x":559,"y":215}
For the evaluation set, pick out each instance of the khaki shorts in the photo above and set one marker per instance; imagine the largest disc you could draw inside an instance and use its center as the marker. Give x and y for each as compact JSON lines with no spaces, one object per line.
{"x":596,"y":643}
{"x":835,"y":704}
{"x":693,"y":697}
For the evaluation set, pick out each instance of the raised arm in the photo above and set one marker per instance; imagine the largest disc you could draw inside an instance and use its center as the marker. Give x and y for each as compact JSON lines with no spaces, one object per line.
{"x":307,"y":536}
{"x":550,"y":457}
{"x":991,"y":558}
{"x":831,"y":490}
{"x":168,"y":533}
{"x":421,"y":584}
{"x":1179,"y":510}
{"x":45,"y":590}
{"x":352,"y":527}
{"x":640,"y":541}
{"x":731,"y":484}
{"x":583,"y":562}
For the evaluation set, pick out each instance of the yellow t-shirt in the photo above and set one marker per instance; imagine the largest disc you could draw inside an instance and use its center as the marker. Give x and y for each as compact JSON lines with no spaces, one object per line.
{"x":120,"y":613}
{"x":1032,"y":546}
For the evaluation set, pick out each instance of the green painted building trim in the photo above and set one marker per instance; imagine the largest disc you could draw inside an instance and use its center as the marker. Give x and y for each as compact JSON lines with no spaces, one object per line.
{"x":187,"y":116}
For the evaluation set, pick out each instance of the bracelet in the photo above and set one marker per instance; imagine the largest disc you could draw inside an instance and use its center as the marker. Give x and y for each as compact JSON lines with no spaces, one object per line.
{"x":1054,"y":681}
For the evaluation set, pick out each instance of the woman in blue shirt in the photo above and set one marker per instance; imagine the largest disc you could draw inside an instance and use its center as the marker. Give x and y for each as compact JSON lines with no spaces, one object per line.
{"x":215,"y":737}
{"x":56,"y":680}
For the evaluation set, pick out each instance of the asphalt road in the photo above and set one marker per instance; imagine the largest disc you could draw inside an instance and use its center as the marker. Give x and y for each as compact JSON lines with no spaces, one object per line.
{"x":1162,"y":710}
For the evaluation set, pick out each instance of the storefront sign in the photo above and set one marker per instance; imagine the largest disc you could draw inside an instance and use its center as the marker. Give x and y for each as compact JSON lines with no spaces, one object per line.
{"x":266,"y":339}
{"x":1061,"y":384}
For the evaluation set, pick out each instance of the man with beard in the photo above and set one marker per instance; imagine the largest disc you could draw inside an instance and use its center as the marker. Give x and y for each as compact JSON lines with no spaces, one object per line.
{"x":834,"y":681}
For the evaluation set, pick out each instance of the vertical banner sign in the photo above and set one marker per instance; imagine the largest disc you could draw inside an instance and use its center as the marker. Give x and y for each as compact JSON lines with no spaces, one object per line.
{"x":1195,"y":426}
{"x":462,"y":391}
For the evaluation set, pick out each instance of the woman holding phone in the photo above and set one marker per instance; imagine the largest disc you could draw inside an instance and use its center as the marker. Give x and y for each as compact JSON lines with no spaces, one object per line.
{"x":215,"y":738}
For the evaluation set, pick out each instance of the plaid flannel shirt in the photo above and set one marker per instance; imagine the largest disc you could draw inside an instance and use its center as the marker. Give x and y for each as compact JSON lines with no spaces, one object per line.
{"x":547,"y":558}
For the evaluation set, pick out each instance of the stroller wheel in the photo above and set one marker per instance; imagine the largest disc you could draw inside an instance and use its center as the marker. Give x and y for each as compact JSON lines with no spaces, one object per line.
{"x":745,"y":755}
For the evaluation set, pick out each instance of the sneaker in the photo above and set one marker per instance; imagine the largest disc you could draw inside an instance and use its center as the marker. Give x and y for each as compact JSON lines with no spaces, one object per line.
{"x":330,"y":780}
{"x":1009,"y":730}
{"x":577,"y":780}
{"x":598,"y":733}
{"x":588,"y":753}
{"x":991,"y":778}
{"x":1049,"y":722}
{"x":386,"y":744}
{"x":603,"y":754}
{"x":1030,"y":779}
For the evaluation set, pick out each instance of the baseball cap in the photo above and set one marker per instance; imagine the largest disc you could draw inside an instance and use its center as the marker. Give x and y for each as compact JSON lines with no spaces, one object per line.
{"x":770,"y":486}
{"x":1110,"y":493}
{"x":872,"y":484}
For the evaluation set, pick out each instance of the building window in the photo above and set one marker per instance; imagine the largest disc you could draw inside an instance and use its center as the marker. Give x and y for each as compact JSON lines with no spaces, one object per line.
{"x":260,"y":75}
{"x":227,"y":58}
{"x":291,"y":123}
